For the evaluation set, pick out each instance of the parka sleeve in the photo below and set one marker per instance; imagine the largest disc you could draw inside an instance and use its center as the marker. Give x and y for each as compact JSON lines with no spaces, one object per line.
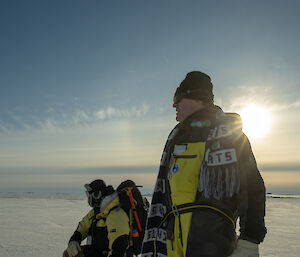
{"x":252,"y":223}
{"x":83,"y":227}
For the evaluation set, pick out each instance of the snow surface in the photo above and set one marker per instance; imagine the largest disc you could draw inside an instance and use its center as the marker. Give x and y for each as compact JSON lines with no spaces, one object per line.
{"x":40,"y":225}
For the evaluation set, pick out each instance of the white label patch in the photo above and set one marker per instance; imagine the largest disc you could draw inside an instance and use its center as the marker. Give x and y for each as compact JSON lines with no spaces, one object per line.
{"x":158,"y":234}
{"x":178,"y":149}
{"x":218,"y":132}
{"x":221,"y":157}
{"x":224,"y":131}
{"x":157,"y":210}
{"x":160,"y":186}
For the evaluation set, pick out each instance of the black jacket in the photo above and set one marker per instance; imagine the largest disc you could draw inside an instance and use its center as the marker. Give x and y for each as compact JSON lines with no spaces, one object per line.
{"x":249,"y":204}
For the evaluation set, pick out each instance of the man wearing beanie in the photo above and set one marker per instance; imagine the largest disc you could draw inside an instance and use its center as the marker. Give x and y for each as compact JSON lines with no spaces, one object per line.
{"x":208,"y":178}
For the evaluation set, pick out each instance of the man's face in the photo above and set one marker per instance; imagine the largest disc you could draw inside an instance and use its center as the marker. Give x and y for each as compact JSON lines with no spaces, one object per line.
{"x":185,"y":107}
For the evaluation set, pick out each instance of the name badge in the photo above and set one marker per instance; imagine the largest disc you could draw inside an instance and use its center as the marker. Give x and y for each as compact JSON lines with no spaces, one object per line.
{"x":178,"y":149}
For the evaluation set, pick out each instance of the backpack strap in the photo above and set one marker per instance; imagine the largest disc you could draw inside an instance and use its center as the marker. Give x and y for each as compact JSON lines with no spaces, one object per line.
{"x":129,"y":193}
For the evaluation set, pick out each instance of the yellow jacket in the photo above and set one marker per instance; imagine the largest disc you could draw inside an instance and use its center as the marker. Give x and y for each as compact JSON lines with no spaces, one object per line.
{"x":117,"y":221}
{"x":105,"y":228}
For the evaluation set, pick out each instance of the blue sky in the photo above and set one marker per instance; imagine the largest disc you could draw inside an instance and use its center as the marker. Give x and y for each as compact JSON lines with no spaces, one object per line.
{"x":89,"y":84}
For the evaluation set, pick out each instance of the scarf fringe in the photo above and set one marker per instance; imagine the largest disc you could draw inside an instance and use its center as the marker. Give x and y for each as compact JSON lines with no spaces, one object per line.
{"x":219,"y":183}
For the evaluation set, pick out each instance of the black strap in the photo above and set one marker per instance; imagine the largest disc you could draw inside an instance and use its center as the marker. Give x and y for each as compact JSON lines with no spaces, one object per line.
{"x":180,"y":230}
{"x":190,"y":207}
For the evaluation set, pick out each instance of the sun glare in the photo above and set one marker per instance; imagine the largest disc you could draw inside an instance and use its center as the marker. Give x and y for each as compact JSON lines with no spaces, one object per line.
{"x":256,"y":121}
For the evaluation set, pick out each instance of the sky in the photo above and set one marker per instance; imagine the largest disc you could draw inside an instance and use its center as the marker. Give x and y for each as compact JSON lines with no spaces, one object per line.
{"x":87,"y":86}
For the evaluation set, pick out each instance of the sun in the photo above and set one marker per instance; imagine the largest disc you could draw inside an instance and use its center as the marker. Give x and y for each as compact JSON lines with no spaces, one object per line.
{"x":256,"y":121}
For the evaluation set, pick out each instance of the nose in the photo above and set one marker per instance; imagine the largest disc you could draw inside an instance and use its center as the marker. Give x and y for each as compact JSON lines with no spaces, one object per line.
{"x":174,"y":105}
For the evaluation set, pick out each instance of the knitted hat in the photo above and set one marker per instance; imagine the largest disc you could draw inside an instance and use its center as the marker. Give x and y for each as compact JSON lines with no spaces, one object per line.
{"x":197,"y":86}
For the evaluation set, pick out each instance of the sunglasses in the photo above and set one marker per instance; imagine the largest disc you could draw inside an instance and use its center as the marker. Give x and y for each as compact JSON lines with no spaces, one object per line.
{"x":179,"y":96}
{"x":90,"y":194}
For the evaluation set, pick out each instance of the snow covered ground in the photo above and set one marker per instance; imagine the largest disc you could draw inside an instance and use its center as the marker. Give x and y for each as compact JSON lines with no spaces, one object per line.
{"x":40,"y":226}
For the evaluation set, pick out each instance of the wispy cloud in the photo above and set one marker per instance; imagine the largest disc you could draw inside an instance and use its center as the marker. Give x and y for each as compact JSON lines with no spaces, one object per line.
{"x":3,"y":128}
{"x":80,"y":149}
{"x":80,"y":116}
{"x":263,"y":97}
{"x":112,"y":112}
{"x":49,"y":124}
{"x":287,"y":105}
{"x":271,"y":96}
{"x":55,"y":119}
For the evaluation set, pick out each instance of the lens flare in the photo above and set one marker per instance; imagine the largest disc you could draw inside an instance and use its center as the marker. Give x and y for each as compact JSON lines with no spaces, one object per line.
{"x":256,"y":121}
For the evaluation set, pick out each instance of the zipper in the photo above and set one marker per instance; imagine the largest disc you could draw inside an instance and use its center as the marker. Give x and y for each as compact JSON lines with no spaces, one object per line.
{"x":185,"y":156}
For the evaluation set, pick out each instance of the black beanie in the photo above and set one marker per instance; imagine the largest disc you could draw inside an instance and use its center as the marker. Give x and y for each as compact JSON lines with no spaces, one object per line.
{"x":196,"y":85}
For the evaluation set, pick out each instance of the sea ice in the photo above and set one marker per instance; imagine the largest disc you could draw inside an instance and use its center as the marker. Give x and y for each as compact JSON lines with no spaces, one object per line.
{"x":40,"y":227}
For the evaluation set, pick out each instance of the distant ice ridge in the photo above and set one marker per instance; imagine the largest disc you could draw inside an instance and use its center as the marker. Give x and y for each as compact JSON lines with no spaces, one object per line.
{"x":68,"y":196}
{"x":271,"y":195}
{"x":33,"y":195}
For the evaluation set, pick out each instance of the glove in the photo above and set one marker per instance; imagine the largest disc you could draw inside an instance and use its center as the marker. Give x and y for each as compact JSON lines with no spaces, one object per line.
{"x":73,"y":248}
{"x":245,"y":248}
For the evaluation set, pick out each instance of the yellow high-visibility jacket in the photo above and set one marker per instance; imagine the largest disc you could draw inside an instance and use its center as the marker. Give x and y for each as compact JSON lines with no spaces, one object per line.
{"x":106,"y":232}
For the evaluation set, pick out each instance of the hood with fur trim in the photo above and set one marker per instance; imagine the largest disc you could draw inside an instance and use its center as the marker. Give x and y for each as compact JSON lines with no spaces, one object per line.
{"x":108,"y":203}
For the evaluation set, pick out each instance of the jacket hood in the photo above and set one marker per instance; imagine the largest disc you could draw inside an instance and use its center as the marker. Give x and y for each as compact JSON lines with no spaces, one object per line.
{"x":109,"y":202}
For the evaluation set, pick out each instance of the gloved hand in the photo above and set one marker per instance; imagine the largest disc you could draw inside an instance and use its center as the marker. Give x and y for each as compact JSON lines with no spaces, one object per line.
{"x":73,"y":248}
{"x":245,"y":248}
